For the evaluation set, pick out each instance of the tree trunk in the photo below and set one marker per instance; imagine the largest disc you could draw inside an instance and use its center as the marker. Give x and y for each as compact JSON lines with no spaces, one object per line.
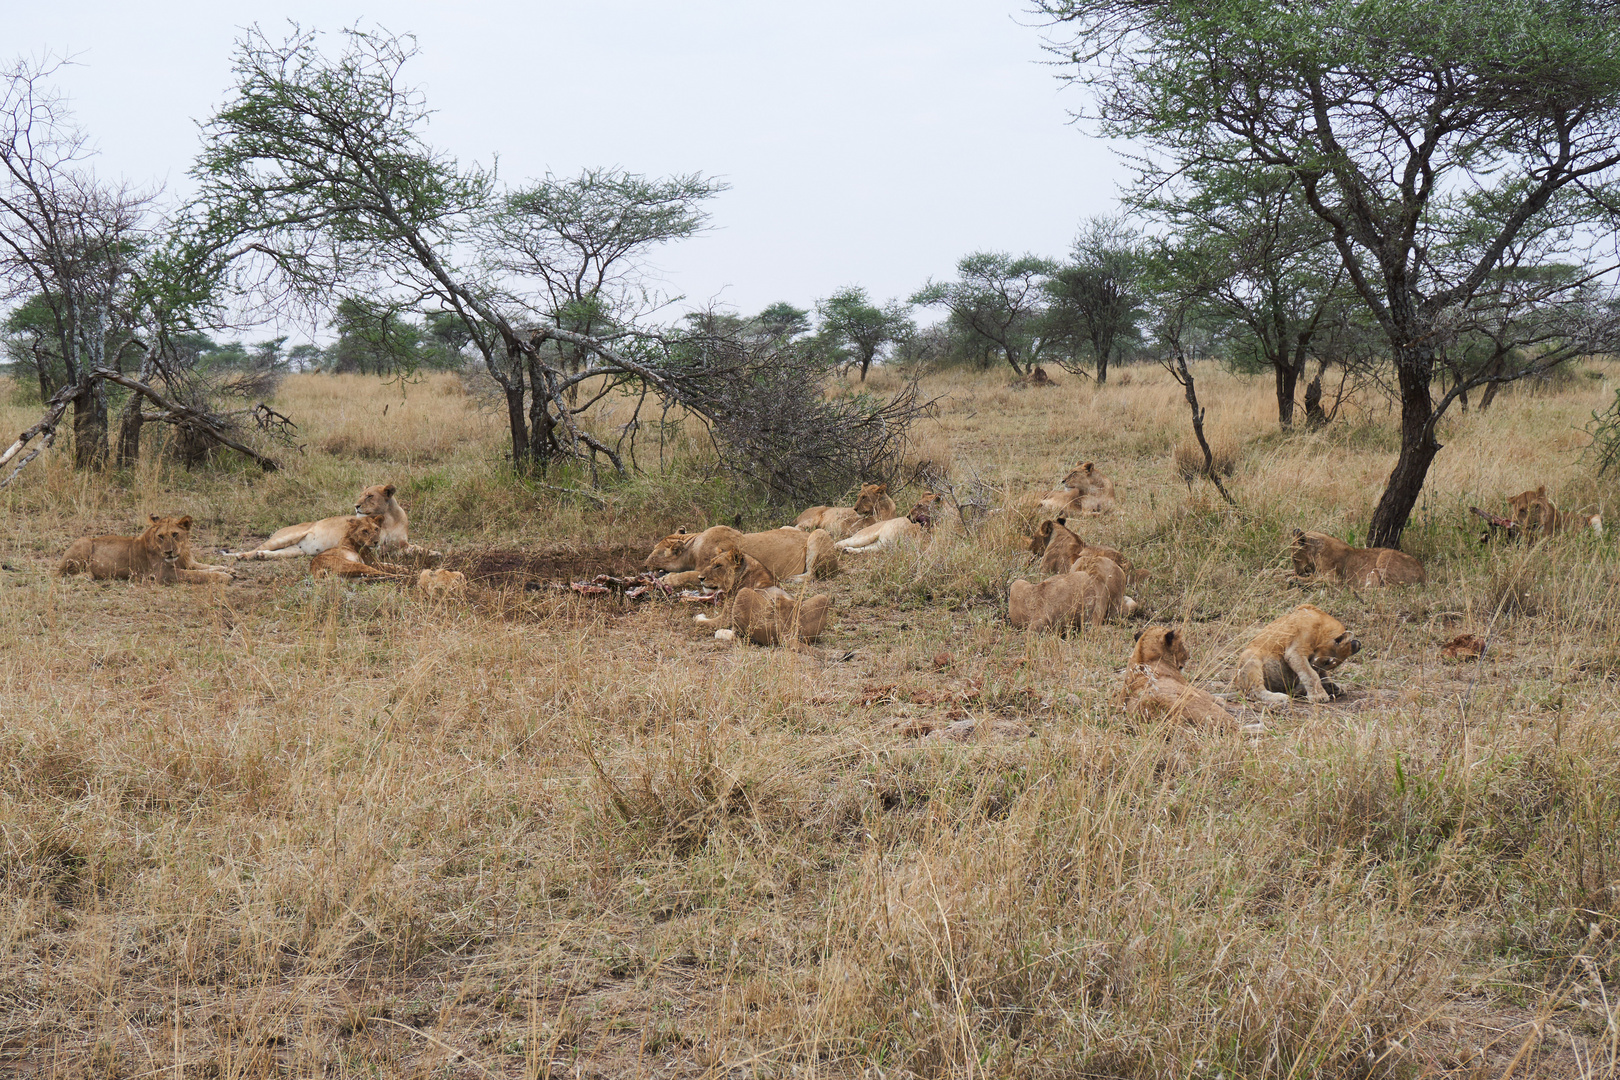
{"x":1287,"y":380}
{"x":1415,"y":369}
{"x":129,"y":433}
{"x":1102,"y":368}
{"x":1315,"y":415}
{"x":90,"y":426}
{"x":521,"y":456}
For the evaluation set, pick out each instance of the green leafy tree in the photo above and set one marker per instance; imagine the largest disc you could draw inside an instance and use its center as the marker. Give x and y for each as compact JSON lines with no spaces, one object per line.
{"x":783,"y":321}
{"x":998,"y":301}
{"x":853,"y":327}
{"x":1094,"y":300}
{"x":1440,"y":141}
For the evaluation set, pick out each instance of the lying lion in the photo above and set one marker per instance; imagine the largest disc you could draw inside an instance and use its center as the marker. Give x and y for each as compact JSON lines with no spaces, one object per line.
{"x":353,"y":555}
{"x":1058,"y":546}
{"x":314,"y":537}
{"x":873,"y":505}
{"x":1067,"y":600}
{"x":792,"y":555}
{"x":1084,"y":490}
{"x":1292,"y":652}
{"x":761,"y":610}
{"x":1156,"y":689}
{"x":441,"y":582}
{"x":1537,"y":516}
{"x":162,"y":554}
{"x":1318,"y":555}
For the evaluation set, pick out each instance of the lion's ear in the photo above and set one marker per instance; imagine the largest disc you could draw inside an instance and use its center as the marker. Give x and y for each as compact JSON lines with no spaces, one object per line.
{"x":1044,"y":530}
{"x":883,"y":488}
{"x":1299,"y":534}
{"x":1089,"y":466}
{"x":1542,"y":490}
{"x":154,"y":518}
{"x":388,"y":491}
{"x":1170,"y":637}
{"x":681,"y":531}
{"x":185,"y":522}
{"x":1138,"y":635}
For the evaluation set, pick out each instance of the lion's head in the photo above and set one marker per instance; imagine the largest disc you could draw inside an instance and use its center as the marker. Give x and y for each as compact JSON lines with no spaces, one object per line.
{"x":169,"y":536}
{"x":1532,"y":509}
{"x":362,"y":532}
{"x":927,"y":510}
{"x":870,"y":498}
{"x":1084,"y":479}
{"x":1305,"y":549}
{"x":670,"y":552}
{"x":1161,"y":643}
{"x":1043,"y":536}
{"x":1328,"y":655}
{"x":375,"y":500}
{"x":724,"y":570}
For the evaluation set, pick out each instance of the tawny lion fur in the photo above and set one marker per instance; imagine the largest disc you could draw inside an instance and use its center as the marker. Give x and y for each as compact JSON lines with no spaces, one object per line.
{"x":1537,"y":516}
{"x":1064,"y":601}
{"x":873,"y":505}
{"x":1085,"y":490}
{"x":1156,"y":689}
{"x":790,"y":554}
{"x":1318,"y":555}
{"x":353,"y":557}
{"x":314,"y":537}
{"x":162,"y":553}
{"x":1058,"y":545}
{"x":1293,"y":652}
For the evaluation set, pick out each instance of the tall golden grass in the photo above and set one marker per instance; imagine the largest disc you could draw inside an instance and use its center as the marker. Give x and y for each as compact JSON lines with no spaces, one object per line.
{"x":299,"y":828}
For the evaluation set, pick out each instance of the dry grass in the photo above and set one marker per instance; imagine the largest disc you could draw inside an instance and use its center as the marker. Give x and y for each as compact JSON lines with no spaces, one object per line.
{"x":295,"y":828}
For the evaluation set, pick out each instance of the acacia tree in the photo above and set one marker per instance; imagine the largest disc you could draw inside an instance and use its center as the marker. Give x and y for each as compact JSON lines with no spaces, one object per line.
{"x":1276,"y":282}
{"x":998,"y":301}
{"x":1095,"y":298}
{"x":856,"y":327}
{"x":1434,"y":138}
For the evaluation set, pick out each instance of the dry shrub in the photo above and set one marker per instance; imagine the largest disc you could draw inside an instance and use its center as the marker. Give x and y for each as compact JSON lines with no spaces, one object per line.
{"x":1188,"y":457}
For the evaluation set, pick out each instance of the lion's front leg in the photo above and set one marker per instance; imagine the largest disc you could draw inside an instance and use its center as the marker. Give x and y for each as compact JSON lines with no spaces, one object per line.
{"x":201,"y":577}
{"x":1315,"y":692}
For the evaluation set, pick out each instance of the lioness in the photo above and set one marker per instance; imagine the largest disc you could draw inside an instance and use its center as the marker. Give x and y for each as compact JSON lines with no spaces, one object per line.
{"x":772,"y":617}
{"x":314,"y":537}
{"x":1155,"y":687}
{"x":732,"y":569}
{"x":353,"y":557}
{"x":1063,"y":601}
{"x":1294,"y":651}
{"x":162,"y":554}
{"x":883,"y":535}
{"x":792,"y":555}
{"x":1537,"y":516}
{"x":872,"y":505}
{"x":1110,"y":574}
{"x":1322,"y":556}
{"x":1059,"y":546}
{"x":1084,"y":490}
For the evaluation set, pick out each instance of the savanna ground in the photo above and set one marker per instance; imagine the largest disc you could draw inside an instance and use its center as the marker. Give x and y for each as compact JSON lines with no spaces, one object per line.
{"x":299,"y":828}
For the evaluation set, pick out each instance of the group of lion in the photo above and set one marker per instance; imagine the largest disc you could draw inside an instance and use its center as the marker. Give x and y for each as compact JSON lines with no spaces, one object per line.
{"x":345,"y":546}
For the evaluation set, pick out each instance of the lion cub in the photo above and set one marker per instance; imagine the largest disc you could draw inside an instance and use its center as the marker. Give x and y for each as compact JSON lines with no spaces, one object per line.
{"x":353,"y":557}
{"x":1322,"y":556}
{"x":873,"y":505}
{"x":1067,"y":600}
{"x":1058,"y":546}
{"x":162,"y":554}
{"x":1085,"y":490}
{"x":1155,"y":687}
{"x":1537,"y":516}
{"x":441,"y":582}
{"x":1295,"y":650}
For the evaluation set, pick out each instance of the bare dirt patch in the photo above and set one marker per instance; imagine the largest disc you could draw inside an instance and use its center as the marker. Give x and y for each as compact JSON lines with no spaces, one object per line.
{"x":514,"y":567}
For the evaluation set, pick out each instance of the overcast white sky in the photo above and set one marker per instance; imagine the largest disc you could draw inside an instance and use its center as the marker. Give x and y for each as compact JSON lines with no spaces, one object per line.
{"x":872,"y":143}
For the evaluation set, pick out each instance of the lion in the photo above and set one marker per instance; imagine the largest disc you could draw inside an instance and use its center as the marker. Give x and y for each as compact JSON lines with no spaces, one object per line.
{"x":162,"y":554}
{"x":883,"y":535}
{"x":314,"y":537}
{"x":1063,"y":601}
{"x":791,"y":554}
{"x":772,"y":617}
{"x":353,"y":556}
{"x":1537,"y":516}
{"x":1112,"y":577}
{"x":871,"y":506}
{"x":1155,"y":687}
{"x":1084,"y":490}
{"x":1321,"y":556}
{"x":732,"y":569}
{"x":1059,"y":546}
{"x":441,"y":582}
{"x":1295,"y":650}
